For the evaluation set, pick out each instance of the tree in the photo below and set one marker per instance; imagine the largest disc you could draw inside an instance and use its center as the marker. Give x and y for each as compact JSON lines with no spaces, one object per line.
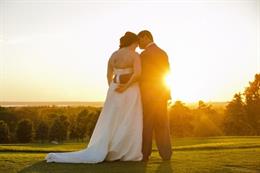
{"x":236,"y":118}
{"x":206,"y":121}
{"x":42,"y":131}
{"x":93,"y":121}
{"x":59,"y":129}
{"x":205,"y":108}
{"x":204,"y":126}
{"x":10,"y":117}
{"x":180,"y":120}
{"x":74,"y":131}
{"x":82,"y":124}
{"x":252,"y":100}
{"x":65,"y":127}
{"x":24,"y":131}
{"x":4,"y":132}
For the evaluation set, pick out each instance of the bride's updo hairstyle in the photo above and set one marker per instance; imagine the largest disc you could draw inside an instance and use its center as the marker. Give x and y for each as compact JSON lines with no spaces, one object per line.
{"x":128,"y":39}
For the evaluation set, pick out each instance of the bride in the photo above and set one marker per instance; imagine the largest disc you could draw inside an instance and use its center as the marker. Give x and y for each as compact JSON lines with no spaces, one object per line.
{"x":118,"y":132}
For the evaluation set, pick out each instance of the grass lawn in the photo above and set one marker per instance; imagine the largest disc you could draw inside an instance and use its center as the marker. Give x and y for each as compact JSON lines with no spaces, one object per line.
{"x":218,"y":154}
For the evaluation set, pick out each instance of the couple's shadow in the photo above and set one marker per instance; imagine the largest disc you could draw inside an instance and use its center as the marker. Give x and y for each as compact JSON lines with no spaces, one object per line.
{"x":142,"y":167}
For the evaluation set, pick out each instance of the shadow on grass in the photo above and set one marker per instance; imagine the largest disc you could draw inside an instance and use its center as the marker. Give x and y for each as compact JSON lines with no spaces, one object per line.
{"x":138,"y":167}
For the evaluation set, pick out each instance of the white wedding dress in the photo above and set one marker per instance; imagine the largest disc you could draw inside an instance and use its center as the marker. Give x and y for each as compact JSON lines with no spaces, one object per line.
{"x":118,"y":132}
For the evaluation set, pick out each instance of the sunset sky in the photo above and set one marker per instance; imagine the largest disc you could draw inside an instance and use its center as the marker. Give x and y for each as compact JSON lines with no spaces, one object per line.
{"x":58,"y":50}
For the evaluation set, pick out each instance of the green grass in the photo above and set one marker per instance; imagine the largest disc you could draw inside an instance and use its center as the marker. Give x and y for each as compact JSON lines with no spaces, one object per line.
{"x":216,"y":154}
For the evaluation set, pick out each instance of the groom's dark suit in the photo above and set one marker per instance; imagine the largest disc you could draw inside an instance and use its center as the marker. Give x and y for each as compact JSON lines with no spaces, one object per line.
{"x":155,"y":95}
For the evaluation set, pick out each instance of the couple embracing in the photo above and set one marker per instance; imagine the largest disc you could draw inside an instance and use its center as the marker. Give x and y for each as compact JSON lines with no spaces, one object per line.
{"x":135,"y":107}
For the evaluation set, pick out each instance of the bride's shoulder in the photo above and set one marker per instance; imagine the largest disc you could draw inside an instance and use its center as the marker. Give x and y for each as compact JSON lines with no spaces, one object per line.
{"x":119,"y":52}
{"x":114,"y":54}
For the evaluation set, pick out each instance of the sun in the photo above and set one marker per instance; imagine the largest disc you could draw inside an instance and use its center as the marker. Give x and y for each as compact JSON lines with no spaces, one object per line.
{"x":168,"y":80}
{"x":183,"y":90}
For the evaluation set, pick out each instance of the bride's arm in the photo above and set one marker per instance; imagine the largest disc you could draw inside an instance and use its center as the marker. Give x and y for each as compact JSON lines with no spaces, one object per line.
{"x":109,"y":72}
{"x":134,"y":77}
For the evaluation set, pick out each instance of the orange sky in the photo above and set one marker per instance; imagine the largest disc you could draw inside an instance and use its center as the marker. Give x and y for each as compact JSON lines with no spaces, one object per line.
{"x":59,"y":51}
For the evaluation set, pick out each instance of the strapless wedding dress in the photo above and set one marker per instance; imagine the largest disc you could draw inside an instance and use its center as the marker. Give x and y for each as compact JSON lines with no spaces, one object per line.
{"x":118,"y":132}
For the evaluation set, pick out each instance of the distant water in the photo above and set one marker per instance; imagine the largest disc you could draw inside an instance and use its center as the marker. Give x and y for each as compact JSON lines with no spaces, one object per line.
{"x":94,"y":104}
{"x":59,"y":104}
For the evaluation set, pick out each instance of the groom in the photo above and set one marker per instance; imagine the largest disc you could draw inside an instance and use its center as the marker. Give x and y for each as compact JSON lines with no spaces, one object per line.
{"x":155,"y":94}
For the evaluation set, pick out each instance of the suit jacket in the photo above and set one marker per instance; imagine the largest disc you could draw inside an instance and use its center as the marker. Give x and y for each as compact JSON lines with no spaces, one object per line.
{"x":155,"y":65}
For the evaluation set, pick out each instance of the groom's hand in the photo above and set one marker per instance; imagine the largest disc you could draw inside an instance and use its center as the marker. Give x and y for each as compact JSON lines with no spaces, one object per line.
{"x":120,"y":88}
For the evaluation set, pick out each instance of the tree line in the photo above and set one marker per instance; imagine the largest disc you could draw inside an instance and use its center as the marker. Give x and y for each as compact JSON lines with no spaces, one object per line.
{"x":240,"y":116}
{"x":46,"y":123}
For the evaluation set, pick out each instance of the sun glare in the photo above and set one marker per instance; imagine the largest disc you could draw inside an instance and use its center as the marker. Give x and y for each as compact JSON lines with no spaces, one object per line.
{"x":168,"y":80}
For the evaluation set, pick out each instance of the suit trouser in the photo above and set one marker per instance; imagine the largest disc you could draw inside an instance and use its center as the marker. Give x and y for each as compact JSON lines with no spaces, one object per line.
{"x":155,"y":120}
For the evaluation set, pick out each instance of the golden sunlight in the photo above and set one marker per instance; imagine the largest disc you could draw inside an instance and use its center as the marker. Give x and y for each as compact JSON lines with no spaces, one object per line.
{"x":168,"y":80}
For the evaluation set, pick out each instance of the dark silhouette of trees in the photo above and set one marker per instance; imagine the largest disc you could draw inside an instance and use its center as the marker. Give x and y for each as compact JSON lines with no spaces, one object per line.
{"x":236,"y":118}
{"x":243,"y":117}
{"x":42,"y":131}
{"x":92,"y":123}
{"x":206,"y":121}
{"x":84,"y":124}
{"x":59,"y":129}
{"x":11,"y":118}
{"x":4,"y":132}
{"x":24,"y":131}
{"x":200,"y":121}
{"x":180,"y":120}
{"x":252,"y":103}
{"x":73,"y":131}
{"x":51,"y":117}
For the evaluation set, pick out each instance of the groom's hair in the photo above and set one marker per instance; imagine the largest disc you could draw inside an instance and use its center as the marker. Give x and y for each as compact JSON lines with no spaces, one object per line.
{"x":146,"y":33}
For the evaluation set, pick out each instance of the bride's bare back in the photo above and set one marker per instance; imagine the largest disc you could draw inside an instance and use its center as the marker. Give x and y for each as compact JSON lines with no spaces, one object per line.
{"x":122,"y":58}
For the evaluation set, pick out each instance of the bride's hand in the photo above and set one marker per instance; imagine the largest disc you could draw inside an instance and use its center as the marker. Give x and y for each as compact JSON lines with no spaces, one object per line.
{"x":120,"y":88}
